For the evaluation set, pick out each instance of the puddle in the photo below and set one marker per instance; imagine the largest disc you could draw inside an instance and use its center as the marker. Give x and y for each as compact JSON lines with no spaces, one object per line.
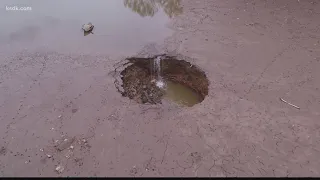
{"x":119,"y":24}
{"x":181,"y":94}
{"x":181,"y":82}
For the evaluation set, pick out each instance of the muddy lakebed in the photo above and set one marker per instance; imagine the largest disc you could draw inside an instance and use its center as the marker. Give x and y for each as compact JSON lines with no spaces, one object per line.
{"x":154,"y":79}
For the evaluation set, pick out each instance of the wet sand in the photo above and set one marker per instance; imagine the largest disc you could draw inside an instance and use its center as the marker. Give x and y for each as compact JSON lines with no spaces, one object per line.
{"x":253,"y":53}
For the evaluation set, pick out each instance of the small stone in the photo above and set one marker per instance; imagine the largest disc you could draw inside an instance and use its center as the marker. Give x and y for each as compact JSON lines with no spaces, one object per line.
{"x":71,"y":147}
{"x":59,"y":116}
{"x":65,"y":144}
{"x":68,"y":154}
{"x":88,"y":27}
{"x":41,"y":150}
{"x":59,"y":169}
{"x":49,"y":156}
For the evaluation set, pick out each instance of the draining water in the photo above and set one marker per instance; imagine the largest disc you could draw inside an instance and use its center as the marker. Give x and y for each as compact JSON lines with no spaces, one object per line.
{"x":157,"y":72}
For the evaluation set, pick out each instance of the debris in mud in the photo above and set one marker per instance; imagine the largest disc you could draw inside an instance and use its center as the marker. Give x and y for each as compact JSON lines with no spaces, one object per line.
{"x":289,"y":103}
{"x":59,"y":169}
{"x":134,"y":171}
{"x":3,"y":151}
{"x":69,"y":154}
{"x":139,"y":79}
{"x":84,"y":145}
{"x":195,"y":157}
{"x":65,"y":144}
{"x":149,"y":165}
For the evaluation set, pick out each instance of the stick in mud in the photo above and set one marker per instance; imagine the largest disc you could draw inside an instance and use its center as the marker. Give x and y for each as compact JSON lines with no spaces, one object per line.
{"x":289,"y":103}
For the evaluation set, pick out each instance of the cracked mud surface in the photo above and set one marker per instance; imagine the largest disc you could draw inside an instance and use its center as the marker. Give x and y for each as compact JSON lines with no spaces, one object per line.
{"x":253,"y":52}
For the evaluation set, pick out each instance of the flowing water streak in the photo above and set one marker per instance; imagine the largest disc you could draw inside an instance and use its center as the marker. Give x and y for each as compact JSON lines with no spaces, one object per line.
{"x":157,"y":69}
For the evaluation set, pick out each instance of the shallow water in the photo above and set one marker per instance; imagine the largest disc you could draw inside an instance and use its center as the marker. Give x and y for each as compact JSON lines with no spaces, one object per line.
{"x":121,"y":27}
{"x":181,"y":94}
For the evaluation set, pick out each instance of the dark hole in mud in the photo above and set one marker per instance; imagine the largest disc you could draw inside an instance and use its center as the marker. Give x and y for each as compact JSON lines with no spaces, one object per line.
{"x":151,"y":80}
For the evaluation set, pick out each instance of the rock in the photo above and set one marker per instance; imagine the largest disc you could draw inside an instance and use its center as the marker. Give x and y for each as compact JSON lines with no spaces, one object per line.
{"x":88,"y":27}
{"x":59,"y":169}
{"x":65,"y":144}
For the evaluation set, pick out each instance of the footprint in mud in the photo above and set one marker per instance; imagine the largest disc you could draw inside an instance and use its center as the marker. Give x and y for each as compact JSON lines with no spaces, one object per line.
{"x":74,"y":110}
{"x":192,"y":159}
{"x":195,"y":157}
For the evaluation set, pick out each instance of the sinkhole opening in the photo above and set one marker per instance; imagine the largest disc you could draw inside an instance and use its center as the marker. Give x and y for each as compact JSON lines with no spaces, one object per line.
{"x":152,"y":80}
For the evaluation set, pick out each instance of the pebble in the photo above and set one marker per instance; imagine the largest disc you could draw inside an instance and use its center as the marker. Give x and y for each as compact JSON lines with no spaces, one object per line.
{"x":59,"y":169}
{"x":65,"y":144}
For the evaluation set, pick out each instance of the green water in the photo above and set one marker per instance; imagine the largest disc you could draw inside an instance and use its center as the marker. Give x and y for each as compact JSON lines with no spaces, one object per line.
{"x":181,"y":94}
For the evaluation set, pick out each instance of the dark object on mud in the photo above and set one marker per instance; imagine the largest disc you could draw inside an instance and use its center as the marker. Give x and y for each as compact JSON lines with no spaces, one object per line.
{"x":3,"y":151}
{"x":65,"y":144}
{"x":137,"y":78}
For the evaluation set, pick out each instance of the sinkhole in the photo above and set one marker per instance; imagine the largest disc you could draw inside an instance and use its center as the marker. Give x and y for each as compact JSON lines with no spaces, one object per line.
{"x":152,"y":80}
